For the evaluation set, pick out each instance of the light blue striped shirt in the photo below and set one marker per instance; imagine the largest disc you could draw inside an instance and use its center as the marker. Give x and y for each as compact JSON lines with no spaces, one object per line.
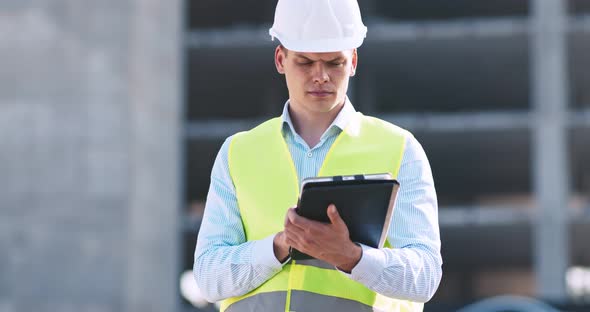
{"x":226,"y":265}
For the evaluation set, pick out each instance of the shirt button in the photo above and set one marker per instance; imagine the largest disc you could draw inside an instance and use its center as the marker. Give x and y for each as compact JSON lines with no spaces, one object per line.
{"x":309,"y":154}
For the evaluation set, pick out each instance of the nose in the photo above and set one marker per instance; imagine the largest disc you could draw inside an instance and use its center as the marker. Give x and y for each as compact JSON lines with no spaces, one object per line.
{"x":320,"y":74}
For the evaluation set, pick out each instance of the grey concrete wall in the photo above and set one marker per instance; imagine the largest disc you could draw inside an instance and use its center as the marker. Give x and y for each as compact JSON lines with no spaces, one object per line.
{"x":89,"y":150}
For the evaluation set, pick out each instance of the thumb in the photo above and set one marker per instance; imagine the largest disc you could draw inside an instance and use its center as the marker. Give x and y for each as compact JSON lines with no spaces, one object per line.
{"x":334,"y":216}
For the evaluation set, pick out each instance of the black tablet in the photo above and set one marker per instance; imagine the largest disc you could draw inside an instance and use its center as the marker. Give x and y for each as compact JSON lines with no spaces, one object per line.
{"x":365,"y":203}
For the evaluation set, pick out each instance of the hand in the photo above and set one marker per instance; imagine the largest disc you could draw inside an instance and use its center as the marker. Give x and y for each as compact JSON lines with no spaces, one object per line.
{"x":329,"y":242}
{"x":280,"y":247}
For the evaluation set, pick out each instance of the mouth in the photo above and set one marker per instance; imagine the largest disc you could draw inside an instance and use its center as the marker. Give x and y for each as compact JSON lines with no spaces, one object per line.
{"x":320,"y":93}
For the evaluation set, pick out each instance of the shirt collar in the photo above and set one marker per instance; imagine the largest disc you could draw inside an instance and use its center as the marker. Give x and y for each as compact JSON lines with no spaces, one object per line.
{"x":341,"y":121}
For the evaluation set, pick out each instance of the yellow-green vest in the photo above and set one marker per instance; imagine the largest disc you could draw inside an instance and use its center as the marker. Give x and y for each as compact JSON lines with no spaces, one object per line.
{"x":266,"y":185}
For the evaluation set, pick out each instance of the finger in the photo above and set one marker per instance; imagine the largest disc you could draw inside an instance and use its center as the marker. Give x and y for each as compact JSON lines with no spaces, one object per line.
{"x":334,"y":216}
{"x":287,"y":214}
{"x":310,"y":228}
{"x":301,"y":237}
{"x":293,"y":229}
{"x":293,"y":240}
{"x":303,"y":245}
{"x":300,"y":249}
{"x":291,"y":243}
{"x":298,"y":220}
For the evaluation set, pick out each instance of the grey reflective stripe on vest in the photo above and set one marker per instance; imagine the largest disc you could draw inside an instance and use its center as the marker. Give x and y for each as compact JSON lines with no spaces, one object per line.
{"x":316,"y":263}
{"x":271,"y":302}
{"x":301,"y":301}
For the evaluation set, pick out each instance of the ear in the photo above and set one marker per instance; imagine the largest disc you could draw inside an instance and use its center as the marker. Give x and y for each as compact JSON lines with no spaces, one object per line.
{"x":354,"y":62}
{"x":279,"y":59}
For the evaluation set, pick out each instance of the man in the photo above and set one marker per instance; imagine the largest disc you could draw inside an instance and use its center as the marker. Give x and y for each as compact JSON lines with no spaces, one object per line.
{"x":242,"y":253}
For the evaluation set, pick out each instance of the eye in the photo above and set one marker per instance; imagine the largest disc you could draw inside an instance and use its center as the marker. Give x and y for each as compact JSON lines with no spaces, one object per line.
{"x":336,"y":63}
{"x":304,"y":63}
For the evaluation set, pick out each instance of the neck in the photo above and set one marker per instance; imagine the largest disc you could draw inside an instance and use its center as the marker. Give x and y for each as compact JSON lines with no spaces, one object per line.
{"x":311,"y":125}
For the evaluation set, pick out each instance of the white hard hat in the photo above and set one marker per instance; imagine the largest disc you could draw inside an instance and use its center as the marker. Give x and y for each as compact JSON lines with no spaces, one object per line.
{"x":318,"y":25}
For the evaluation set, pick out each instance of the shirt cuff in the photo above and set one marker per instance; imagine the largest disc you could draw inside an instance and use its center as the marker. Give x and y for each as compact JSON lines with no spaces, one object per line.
{"x":370,"y":266}
{"x":263,"y":254}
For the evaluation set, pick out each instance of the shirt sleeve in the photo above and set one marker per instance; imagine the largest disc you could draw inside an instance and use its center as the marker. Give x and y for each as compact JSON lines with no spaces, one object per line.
{"x":412,"y":270}
{"x":225,"y":264}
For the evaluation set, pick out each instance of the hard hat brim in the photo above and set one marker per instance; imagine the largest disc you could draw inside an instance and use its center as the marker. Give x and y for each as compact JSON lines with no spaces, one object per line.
{"x":320,"y":46}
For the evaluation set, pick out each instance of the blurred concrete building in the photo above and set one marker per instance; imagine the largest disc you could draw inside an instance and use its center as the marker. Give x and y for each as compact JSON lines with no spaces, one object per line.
{"x":112,"y":112}
{"x":90,"y":133}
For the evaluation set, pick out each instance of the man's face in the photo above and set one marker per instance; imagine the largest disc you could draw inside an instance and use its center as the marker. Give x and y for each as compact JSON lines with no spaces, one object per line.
{"x":317,"y":82}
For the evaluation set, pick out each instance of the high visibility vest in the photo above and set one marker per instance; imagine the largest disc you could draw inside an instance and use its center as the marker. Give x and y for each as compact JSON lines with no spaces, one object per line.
{"x":266,"y":185}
